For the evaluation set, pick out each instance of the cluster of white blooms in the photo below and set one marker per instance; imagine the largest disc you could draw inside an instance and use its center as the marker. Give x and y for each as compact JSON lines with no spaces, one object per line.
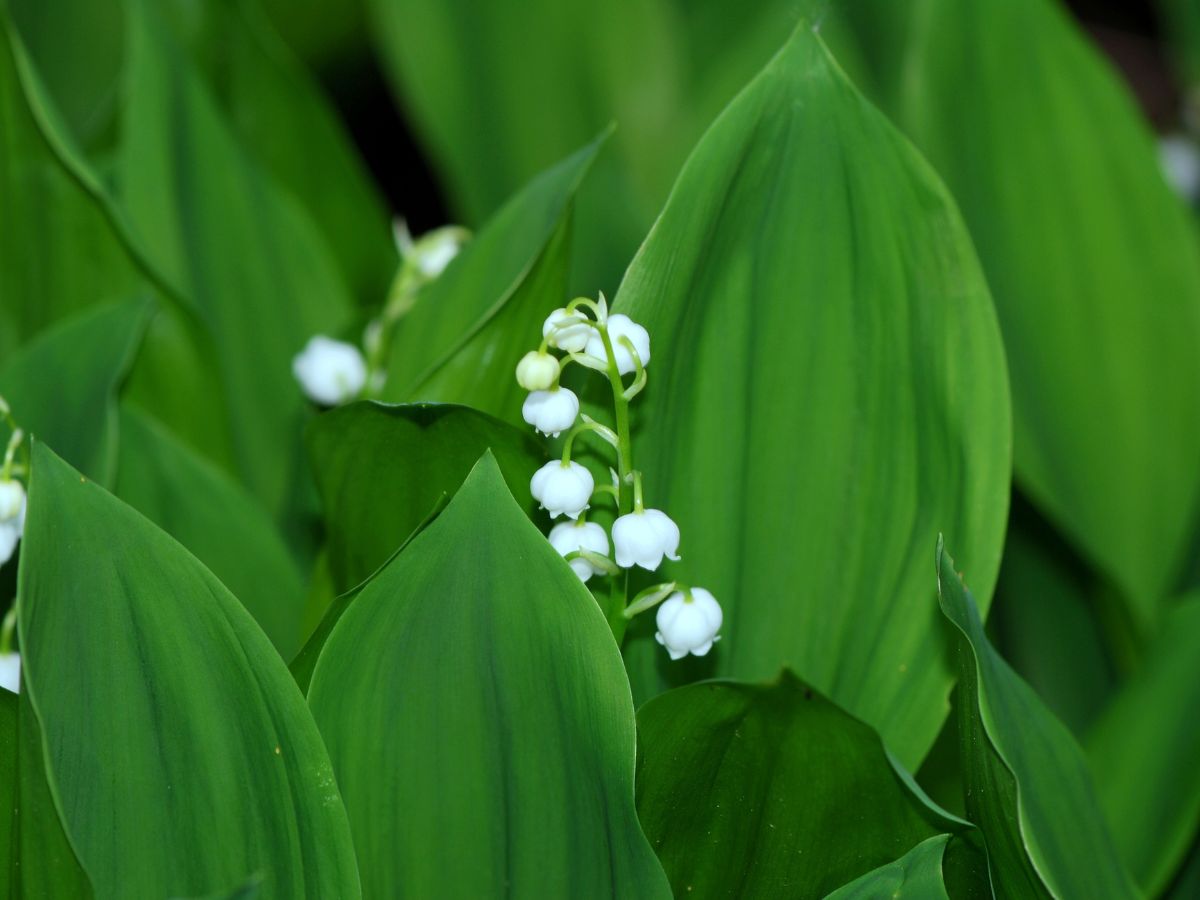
{"x":689,"y":618}
{"x":12,"y":527}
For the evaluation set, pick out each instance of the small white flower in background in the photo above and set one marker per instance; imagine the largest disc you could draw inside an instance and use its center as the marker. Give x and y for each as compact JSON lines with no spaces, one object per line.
{"x":432,"y":251}
{"x":688,"y":622}
{"x":10,"y":672}
{"x":621,"y":326}
{"x":537,"y":371}
{"x":644,"y":537}
{"x":12,"y":518}
{"x":551,"y":412}
{"x":567,"y":331}
{"x":563,"y":489}
{"x":1180,"y":158}
{"x":567,"y":537}
{"x":331,"y":372}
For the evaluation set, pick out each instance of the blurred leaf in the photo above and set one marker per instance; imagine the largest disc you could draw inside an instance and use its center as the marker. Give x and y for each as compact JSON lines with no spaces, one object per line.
{"x":62,"y":386}
{"x":1181,"y":20}
{"x":209,"y":767}
{"x":1145,"y":753}
{"x":213,"y":517}
{"x":823,"y":346}
{"x":474,"y":688}
{"x":381,"y":468}
{"x":8,"y":792}
{"x":462,"y":340}
{"x":1027,"y":783}
{"x":1094,"y":267}
{"x":917,"y":875}
{"x":768,"y":790}
{"x":233,"y":241}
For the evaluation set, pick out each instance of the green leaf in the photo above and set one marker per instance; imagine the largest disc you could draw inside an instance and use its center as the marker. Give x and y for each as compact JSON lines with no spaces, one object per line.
{"x":381,"y":468}
{"x":462,"y":340}
{"x":1145,"y":753}
{"x":765,"y":790}
{"x":62,"y":386}
{"x":178,"y":746}
{"x":1027,"y":783}
{"x":474,"y":688}
{"x":213,"y":516}
{"x":234,"y":242}
{"x":917,"y":875}
{"x":8,"y":789}
{"x":823,"y":346}
{"x":1181,"y":20}
{"x":1094,"y":267}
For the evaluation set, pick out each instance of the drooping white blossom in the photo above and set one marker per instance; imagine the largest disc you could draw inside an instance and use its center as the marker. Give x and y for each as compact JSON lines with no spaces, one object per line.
{"x":688,"y":624}
{"x":12,"y":518}
{"x":551,"y":412}
{"x":537,"y":371}
{"x":329,"y":371}
{"x":644,"y":537}
{"x":10,"y":672}
{"x":432,"y":251}
{"x":621,"y":326}
{"x":563,"y":489}
{"x":567,"y":537}
{"x":1180,"y":158}
{"x":567,"y":331}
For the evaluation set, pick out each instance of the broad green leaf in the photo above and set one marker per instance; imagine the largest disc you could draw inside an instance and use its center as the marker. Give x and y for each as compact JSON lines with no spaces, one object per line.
{"x":181,"y":752}
{"x":768,"y":790}
{"x":463,"y":339}
{"x":823,"y":345}
{"x":62,"y":386}
{"x":917,"y":875}
{"x":381,"y":468}
{"x":474,"y":688}
{"x":1095,"y":271}
{"x":213,"y":516}
{"x":237,"y":244}
{"x":8,"y":790}
{"x":1145,"y":753}
{"x":1027,"y":783}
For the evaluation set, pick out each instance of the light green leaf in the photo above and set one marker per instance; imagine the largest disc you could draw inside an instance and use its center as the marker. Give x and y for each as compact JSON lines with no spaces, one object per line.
{"x":179,"y":749}
{"x":62,"y":386}
{"x":1027,"y":783}
{"x":234,"y":242}
{"x":768,"y":790}
{"x":823,"y":346}
{"x":1145,"y":753}
{"x":474,"y":688}
{"x":1094,"y":267}
{"x":917,"y":875}
{"x":213,"y":516}
{"x":381,"y":468}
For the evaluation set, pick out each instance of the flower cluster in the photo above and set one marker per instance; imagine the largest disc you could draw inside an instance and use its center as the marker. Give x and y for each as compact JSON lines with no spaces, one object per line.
{"x":584,"y":332}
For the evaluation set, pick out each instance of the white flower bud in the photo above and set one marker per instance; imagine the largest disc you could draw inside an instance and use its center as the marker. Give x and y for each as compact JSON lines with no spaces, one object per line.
{"x":567,"y":331}
{"x":12,"y":518}
{"x":688,"y":625}
{"x":563,"y":489}
{"x":551,"y":412}
{"x":331,"y":372}
{"x":537,"y":371}
{"x":621,"y":326}
{"x":432,"y":251}
{"x":644,"y":538}
{"x":10,"y":672}
{"x":1180,"y":158}
{"x":567,"y":537}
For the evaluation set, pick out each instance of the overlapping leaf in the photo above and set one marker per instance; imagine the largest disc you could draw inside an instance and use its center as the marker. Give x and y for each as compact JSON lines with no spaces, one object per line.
{"x":823,"y":345}
{"x":917,"y":875}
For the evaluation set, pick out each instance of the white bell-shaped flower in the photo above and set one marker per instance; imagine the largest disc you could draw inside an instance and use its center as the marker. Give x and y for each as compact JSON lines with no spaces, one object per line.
{"x":537,"y":371}
{"x":688,"y":624}
{"x":644,"y":537}
{"x":568,"y":331}
{"x":567,"y":537}
{"x":331,"y":372}
{"x":551,"y":412}
{"x":621,"y":326}
{"x":10,"y":672}
{"x":563,"y":489}
{"x":12,"y":518}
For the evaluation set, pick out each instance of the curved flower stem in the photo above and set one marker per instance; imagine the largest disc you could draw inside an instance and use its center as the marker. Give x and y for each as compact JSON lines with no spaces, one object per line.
{"x":639,"y":380}
{"x":588,"y":424}
{"x":596,"y":309}
{"x":10,"y":453}
{"x":651,"y":597}
{"x":7,"y":629}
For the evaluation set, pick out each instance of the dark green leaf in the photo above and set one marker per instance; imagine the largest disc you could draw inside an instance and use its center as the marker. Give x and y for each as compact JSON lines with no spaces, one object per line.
{"x":181,"y":751}
{"x":1027,"y":783}
{"x":8,"y":791}
{"x":479,"y":720}
{"x":823,"y":346}
{"x":917,"y":875}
